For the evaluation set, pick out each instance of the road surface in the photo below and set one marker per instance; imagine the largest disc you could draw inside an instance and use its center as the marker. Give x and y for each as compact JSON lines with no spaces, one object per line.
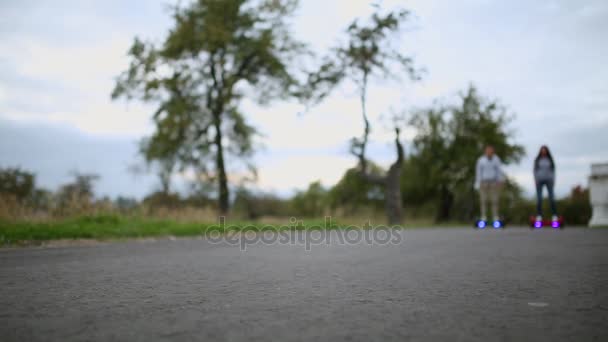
{"x":436,"y":284}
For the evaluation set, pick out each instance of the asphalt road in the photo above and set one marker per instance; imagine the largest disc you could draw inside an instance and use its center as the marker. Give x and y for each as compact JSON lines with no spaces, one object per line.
{"x":436,"y":284}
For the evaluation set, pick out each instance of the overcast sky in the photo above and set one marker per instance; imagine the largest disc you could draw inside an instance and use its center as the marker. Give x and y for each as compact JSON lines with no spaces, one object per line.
{"x":545,"y":60}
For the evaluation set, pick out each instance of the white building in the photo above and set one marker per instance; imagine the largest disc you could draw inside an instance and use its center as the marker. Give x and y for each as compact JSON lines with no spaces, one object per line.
{"x":598,"y":194}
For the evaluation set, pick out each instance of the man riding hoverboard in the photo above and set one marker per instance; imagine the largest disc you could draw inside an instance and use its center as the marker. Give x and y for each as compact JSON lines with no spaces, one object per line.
{"x":489,"y":179}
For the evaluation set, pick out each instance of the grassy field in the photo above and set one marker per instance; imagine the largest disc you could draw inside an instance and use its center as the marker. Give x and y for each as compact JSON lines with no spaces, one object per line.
{"x":116,"y":227}
{"x":110,"y":227}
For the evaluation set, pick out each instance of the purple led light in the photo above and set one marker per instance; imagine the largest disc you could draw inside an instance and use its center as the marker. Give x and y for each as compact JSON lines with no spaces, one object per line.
{"x":555,"y":224}
{"x":538,"y":224}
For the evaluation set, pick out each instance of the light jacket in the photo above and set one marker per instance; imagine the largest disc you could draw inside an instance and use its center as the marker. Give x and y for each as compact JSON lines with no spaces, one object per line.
{"x":488,"y":170}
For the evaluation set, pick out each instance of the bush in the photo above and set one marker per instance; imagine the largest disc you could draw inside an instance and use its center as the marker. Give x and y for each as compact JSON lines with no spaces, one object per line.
{"x":576,"y":208}
{"x":254,"y":206}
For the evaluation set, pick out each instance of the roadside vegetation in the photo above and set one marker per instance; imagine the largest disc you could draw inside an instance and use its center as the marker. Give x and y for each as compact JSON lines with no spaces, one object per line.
{"x":30,"y":215}
{"x":219,"y":53}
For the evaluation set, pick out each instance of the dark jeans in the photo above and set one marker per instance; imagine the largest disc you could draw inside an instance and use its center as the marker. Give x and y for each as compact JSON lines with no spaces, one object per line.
{"x":539,"y":196}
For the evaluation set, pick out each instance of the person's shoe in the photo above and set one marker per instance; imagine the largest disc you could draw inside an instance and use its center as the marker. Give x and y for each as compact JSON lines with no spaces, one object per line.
{"x":539,"y":218}
{"x":554,"y":218}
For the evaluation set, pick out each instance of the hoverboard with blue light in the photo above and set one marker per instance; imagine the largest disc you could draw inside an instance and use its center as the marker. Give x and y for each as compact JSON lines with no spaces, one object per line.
{"x":538,"y":224}
{"x":496,"y":224}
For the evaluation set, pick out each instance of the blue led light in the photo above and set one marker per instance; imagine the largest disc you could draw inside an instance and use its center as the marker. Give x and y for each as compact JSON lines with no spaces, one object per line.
{"x":481,"y":224}
{"x":497,"y":224}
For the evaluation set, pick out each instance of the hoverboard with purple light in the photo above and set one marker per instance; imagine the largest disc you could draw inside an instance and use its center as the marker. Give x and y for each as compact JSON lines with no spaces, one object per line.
{"x":482,"y":224}
{"x":538,"y":224}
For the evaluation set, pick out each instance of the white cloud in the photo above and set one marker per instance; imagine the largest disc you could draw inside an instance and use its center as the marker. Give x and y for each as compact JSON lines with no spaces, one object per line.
{"x":296,"y":172}
{"x":82,"y":67}
{"x":593,"y":9}
{"x":3,"y":93}
{"x":67,"y":76}
{"x":79,"y":80}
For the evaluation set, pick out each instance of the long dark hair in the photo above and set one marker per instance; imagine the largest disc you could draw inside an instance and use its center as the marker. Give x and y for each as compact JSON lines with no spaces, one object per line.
{"x":540,"y":156}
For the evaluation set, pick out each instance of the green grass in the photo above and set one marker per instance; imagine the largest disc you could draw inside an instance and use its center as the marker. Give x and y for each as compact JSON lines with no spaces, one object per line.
{"x":110,"y":227}
{"x":116,"y":227}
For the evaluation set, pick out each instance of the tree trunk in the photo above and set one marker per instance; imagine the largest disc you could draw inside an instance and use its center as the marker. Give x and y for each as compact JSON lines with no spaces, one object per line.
{"x":446,"y":199}
{"x":366,"y":125}
{"x":392,"y":185}
{"x":223,"y":199}
{"x":394,"y":205}
{"x":166,"y":168}
{"x":394,"y":209}
{"x":392,"y":180}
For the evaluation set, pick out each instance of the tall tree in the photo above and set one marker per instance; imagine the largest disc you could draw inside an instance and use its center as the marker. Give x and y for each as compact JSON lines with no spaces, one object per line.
{"x":215,"y":53}
{"x":369,"y":52}
{"x":17,"y":183}
{"x":448,"y":142}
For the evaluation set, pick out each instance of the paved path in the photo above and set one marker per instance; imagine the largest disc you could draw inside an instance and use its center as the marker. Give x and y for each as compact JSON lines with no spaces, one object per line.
{"x":437,"y":284}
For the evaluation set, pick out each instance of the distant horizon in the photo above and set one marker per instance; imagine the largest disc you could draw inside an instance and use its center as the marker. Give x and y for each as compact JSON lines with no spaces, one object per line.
{"x":148,"y":180}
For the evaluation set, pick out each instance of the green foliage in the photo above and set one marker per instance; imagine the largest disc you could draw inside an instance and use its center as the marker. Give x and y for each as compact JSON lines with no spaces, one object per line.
{"x":216,"y":53}
{"x":109,"y":227}
{"x":103,"y":219}
{"x":576,"y":208}
{"x":41,"y":199}
{"x":77,"y":196}
{"x":94,"y":227}
{"x":352,"y":192}
{"x":18,"y":183}
{"x":369,"y":51}
{"x":310,"y":203}
{"x":161,"y":199}
{"x":255,"y":206}
{"x":514,"y":208}
{"x":19,"y":194}
{"x":448,"y":142}
{"x":80,"y":188}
